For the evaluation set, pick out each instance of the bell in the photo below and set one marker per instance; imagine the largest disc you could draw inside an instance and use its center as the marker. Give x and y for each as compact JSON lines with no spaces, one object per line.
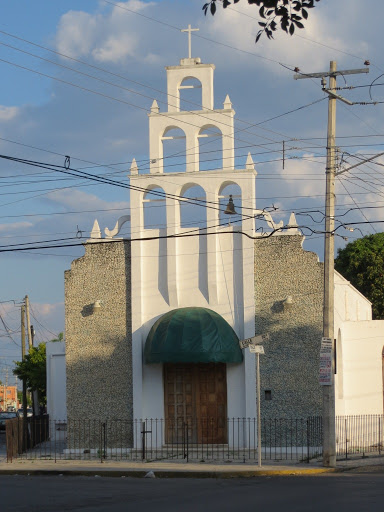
{"x":230,"y":210}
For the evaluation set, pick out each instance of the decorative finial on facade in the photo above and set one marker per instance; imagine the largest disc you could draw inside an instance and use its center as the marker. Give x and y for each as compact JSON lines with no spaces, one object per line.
{"x":227,"y":102}
{"x":134,"y":169}
{"x":110,"y":233}
{"x":155,"y":107}
{"x":96,"y":232}
{"x":292,"y":224}
{"x":249,"y":164}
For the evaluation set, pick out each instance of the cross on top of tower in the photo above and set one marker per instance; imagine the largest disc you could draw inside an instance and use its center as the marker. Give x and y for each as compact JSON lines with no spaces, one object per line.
{"x":189,"y":30}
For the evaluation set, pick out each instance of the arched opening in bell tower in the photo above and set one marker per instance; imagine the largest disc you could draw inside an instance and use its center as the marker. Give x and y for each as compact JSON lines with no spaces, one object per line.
{"x":174,"y":150}
{"x":190,"y":91}
{"x":193,"y":212}
{"x":230,"y":190}
{"x":210,"y":148}
{"x":154,"y":208}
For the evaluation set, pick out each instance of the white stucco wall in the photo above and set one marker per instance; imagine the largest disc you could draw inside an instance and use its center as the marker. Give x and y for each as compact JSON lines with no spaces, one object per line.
{"x":56,"y":381}
{"x":350,"y":304}
{"x":359,"y":378}
{"x":215,"y":272}
{"x":359,"y":345}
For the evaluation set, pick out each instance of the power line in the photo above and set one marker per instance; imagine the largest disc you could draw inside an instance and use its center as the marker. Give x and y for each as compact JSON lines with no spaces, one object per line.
{"x":41,"y":325}
{"x":125,"y":78}
{"x":239,"y":11}
{"x":92,"y":66}
{"x":165,"y":114}
{"x":108,"y":181}
{"x":123,"y":7}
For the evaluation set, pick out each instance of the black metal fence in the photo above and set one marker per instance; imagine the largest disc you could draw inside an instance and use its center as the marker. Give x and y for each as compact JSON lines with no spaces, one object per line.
{"x":198,"y":440}
{"x":359,"y":435}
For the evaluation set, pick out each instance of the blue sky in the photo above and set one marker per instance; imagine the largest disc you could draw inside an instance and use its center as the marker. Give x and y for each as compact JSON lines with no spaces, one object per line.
{"x":48,"y":111}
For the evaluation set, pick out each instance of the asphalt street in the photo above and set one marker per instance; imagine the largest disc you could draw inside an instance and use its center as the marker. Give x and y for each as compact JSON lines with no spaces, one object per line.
{"x":352,"y":492}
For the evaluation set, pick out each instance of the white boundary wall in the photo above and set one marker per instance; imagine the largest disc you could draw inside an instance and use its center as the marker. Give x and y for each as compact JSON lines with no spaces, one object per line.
{"x":359,"y":379}
{"x":56,"y":381}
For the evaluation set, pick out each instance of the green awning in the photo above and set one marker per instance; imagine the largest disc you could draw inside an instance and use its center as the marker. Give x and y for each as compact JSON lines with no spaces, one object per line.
{"x":192,"y":335}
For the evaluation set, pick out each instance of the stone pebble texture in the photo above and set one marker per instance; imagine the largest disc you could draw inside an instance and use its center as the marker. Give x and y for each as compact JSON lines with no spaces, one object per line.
{"x":99,"y":342}
{"x":290,"y":367}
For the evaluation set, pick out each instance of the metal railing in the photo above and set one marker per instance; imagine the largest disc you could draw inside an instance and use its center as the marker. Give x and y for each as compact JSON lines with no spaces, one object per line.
{"x":359,"y":435}
{"x":198,"y":439}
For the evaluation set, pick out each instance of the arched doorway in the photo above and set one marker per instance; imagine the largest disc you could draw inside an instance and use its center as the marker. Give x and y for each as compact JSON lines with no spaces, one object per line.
{"x":194,"y":344}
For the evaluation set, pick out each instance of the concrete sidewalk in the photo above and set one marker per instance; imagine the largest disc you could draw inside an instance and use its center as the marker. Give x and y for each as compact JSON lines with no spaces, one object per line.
{"x":181,"y":469}
{"x":160,"y":469}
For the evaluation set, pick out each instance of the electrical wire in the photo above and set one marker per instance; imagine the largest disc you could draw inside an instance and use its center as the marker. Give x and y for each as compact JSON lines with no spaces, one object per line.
{"x":33,"y":314}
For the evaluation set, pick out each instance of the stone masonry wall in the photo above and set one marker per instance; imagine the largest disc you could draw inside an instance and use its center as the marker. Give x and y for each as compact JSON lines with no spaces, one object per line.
{"x":99,"y":343}
{"x":289,"y":368}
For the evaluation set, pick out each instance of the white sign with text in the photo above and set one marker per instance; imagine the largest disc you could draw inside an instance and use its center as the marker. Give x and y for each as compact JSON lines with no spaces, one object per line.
{"x":254,"y":340}
{"x":325,"y":370}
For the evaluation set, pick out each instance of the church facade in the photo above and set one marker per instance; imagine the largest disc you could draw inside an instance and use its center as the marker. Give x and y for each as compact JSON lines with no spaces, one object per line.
{"x":153,"y":322}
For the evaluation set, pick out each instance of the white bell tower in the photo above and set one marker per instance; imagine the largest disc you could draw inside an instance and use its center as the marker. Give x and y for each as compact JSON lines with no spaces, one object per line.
{"x":192,"y":123}
{"x":175,"y":266}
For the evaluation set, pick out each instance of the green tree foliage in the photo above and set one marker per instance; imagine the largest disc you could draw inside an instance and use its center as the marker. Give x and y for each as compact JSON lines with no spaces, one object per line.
{"x":20,"y":398}
{"x":288,"y":14}
{"x":60,"y":337}
{"x":362,"y":263}
{"x":33,"y":370}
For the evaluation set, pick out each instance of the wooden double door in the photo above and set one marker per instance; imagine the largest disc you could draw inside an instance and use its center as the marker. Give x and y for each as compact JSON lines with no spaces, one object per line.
{"x":195,"y":402}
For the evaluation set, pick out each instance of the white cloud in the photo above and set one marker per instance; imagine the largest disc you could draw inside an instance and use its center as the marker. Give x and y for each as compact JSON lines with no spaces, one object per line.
{"x":238,"y":26}
{"x":301,"y":177}
{"x":76,"y":33}
{"x":8,"y":113}
{"x":47,"y":320}
{"x":46,"y":309}
{"x":75,"y":199}
{"x":109,"y":37}
{"x":15,"y":226}
{"x":116,"y":48}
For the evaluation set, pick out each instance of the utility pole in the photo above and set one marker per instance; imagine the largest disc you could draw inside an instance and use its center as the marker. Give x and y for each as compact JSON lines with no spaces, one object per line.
{"x":30,"y":331}
{"x":329,"y":420}
{"x":22,"y":358}
{"x":30,"y":341}
{"x":6,"y":389}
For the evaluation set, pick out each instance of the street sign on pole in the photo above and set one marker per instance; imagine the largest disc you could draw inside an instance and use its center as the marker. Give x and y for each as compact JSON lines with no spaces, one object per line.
{"x":256,"y":349}
{"x":254,"y":340}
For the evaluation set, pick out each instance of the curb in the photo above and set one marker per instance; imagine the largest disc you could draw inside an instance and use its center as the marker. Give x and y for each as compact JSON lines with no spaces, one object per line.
{"x":162,"y":473}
